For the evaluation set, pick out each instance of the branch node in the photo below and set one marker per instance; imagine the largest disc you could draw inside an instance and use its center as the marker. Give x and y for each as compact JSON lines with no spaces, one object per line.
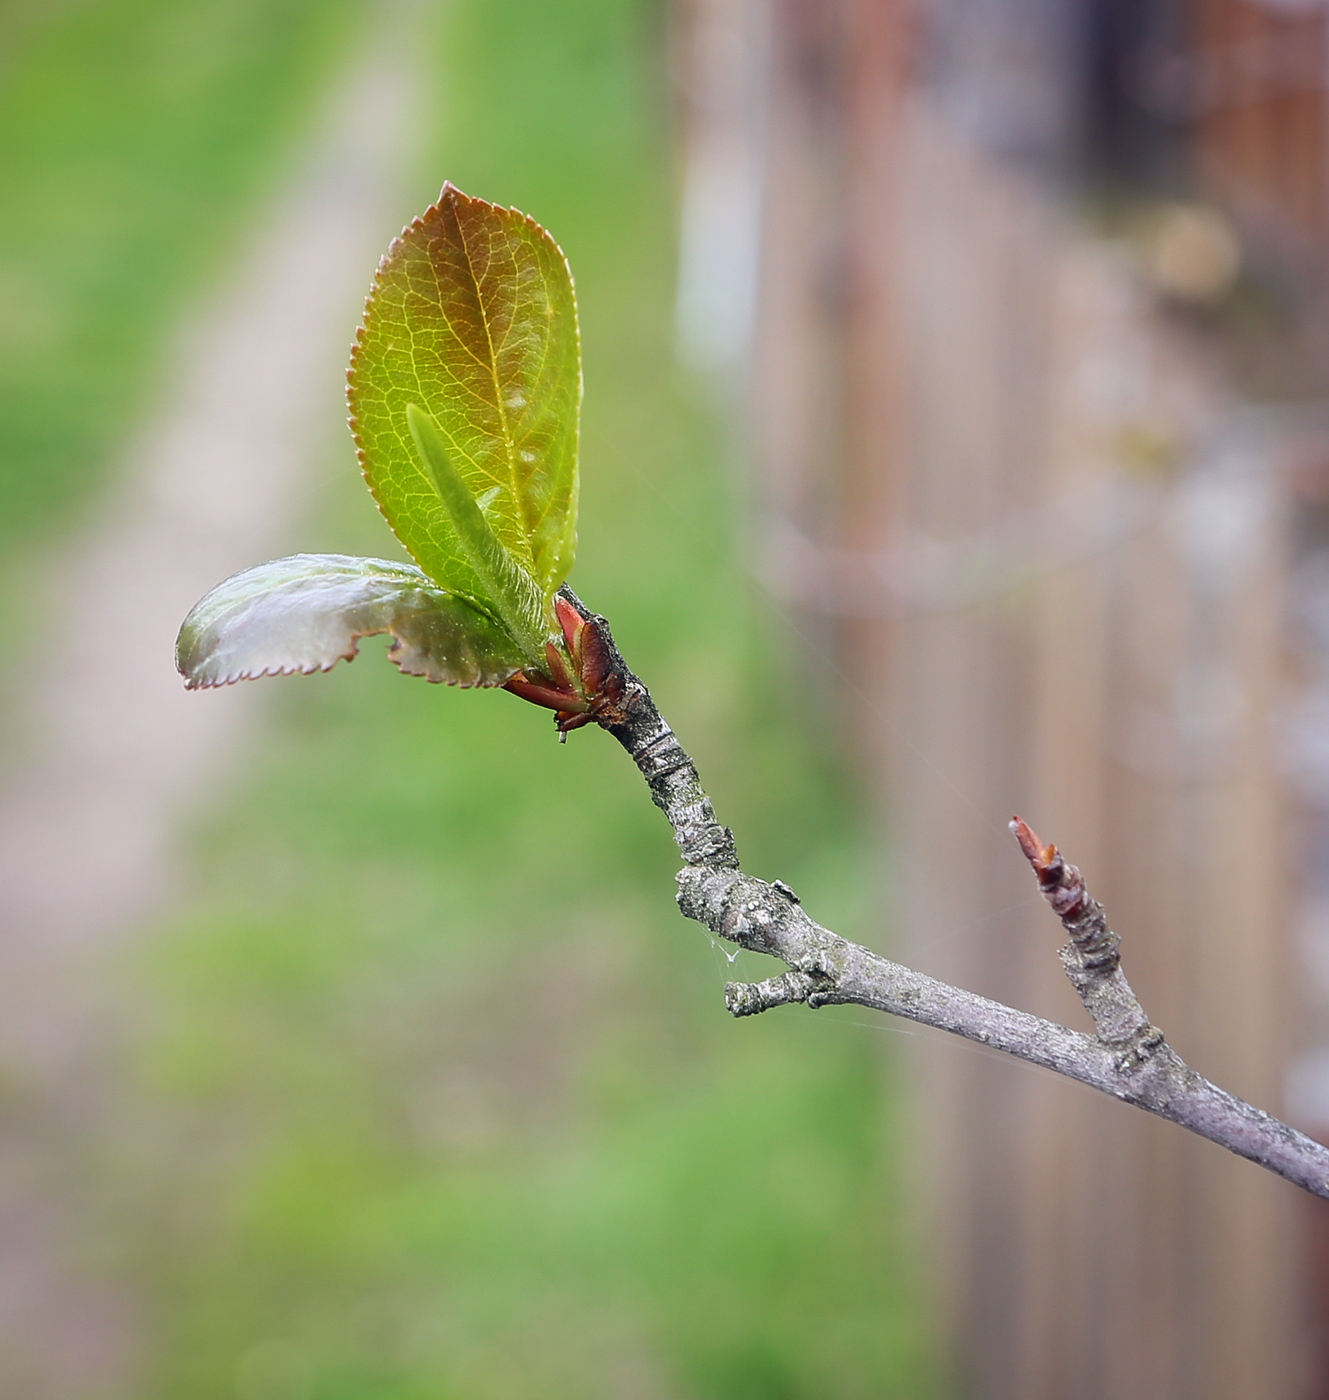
{"x":745,"y":918}
{"x":752,"y":998}
{"x":1136,"y":1052}
{"x":786,"y":891}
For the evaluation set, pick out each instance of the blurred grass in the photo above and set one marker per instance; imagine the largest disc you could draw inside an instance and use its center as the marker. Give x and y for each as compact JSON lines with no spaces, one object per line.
{"x":134,"y":135}
{"x":436,"y":1096}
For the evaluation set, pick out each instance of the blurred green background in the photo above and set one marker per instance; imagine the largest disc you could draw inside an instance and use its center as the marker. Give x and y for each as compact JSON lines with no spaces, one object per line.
{"x":430,"y":1091}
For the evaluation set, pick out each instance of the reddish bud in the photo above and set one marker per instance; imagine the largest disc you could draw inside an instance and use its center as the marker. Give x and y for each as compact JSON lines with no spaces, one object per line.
{"x":1047,"y":864}
{"x":558,"y":672}
{"x":545,"y":695}
{"x":572,"y":623}
{"x":1028,"y":839}
{"x":593,"y":689}
{"x":568,"y":720}
{"x":595,"y":659}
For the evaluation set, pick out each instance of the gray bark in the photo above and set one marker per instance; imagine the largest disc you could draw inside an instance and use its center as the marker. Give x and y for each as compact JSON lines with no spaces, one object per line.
{"x":1127,"y":1056}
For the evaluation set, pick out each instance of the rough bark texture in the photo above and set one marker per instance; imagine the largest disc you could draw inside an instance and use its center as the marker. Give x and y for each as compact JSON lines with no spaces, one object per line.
{"x":1127,"y":1058}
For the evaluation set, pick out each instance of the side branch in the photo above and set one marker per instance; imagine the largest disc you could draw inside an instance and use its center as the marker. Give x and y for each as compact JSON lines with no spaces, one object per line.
{"x":1127,"y":1056}
{"x":1091,"y":958}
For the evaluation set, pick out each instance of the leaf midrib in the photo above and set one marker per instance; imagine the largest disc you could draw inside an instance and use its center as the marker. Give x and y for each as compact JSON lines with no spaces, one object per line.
{"x":498,"y":391}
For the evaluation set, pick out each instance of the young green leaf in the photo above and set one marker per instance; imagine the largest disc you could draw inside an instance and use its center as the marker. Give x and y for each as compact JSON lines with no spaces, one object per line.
{"x":308,"y":612}
{"x":473,"y":319}
{"x":511,"y":591}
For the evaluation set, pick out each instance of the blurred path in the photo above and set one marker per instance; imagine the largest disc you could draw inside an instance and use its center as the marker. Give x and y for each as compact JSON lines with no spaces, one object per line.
{"x":114,"y":750}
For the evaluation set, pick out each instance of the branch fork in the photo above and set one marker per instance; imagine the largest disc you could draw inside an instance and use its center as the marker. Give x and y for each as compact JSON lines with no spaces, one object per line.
{"x":1126,"y":1057}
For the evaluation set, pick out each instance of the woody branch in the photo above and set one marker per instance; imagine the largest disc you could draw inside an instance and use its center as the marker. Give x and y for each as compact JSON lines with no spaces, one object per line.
{"x":1127,"y":1056}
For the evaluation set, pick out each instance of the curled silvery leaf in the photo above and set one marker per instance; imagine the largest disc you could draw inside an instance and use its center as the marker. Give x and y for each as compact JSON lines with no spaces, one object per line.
{"x":308,"y":612}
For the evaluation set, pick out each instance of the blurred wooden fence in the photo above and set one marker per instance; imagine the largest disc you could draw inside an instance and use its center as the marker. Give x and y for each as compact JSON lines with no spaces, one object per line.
{"x":1249,"y":89}
{"x":1047,"y":542}
{"x":1096,"y":645}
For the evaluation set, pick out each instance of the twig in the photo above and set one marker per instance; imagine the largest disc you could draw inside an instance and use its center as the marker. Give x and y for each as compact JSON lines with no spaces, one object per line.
{"x":1092,"y":958}
{"x":1127,"y":1058}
